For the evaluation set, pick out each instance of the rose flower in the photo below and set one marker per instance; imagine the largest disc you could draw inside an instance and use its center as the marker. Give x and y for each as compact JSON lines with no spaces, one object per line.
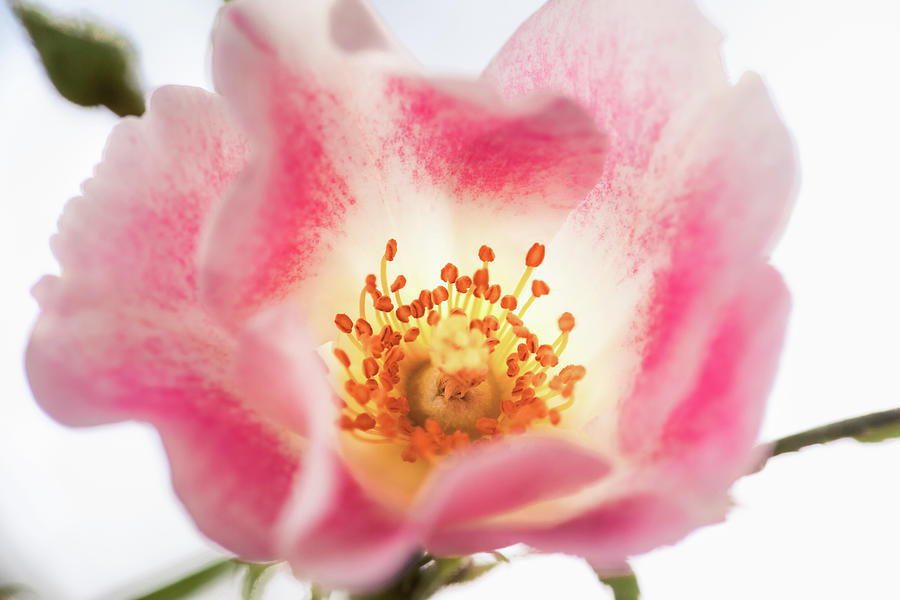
{"x":372,"y":312}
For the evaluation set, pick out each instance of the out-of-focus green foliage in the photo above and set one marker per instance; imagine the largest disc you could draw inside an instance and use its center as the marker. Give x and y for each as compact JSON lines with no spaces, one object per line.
{"x":624,"y":586}
{"x":88,"y":65}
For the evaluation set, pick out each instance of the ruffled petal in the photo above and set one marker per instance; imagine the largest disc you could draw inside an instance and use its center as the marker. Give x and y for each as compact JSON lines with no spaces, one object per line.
{"x":710,"y":435}
{"x":630,"y":63}
{"x":232,"y":470}
{"x":121,"y":331}
{"x":330,"y":530}
{"x":502,"y":476}
{"x":606,"y":536}
{"x":735,"y":185}
{"x":353,"y":149}
{"x":121,"y":334}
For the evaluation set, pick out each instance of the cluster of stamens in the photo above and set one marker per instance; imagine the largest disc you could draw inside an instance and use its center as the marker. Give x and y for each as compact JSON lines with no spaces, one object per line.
{"x":454,"y":366}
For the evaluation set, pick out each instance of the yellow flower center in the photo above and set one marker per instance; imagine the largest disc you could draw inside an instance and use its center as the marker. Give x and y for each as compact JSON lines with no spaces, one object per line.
{"x":456,"y":365}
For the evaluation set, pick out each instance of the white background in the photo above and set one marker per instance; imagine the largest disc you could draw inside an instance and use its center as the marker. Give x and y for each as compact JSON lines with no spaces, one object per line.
{"x":90,"y":514}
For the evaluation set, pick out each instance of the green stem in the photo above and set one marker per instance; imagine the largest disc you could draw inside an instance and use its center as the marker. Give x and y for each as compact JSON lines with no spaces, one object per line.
{"x":873,"y":427}
{"x":193,"y":582}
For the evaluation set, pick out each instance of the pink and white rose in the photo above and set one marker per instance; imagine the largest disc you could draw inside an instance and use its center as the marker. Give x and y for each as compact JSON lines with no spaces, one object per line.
{"x":215,"y":282}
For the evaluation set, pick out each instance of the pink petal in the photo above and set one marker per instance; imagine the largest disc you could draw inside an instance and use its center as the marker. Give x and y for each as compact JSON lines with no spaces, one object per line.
{"x":706,"y":444}
{"x":232,"y":472}
{"x":122,"y":328}
{"x":712,"y":431}
{"x":503,"y":476}
{"x":331,"y":531}
{"x":631,"y":63}
{"x":605,"y":535}
{"x":729,"y":168}
{"x":350,"y":153}
{"x":121,"y":334}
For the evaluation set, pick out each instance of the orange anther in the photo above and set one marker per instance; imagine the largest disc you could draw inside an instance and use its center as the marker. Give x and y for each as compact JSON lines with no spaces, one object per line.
{"x":398,"y":284}
{"x":493,"y":294}
{"x":449,"y":273}
{"x":417,"y":308}
{"x":486,"y":425}
{"x":363,"y":327}
{"x":370,"y":367}
{"x":433,"y":318}
{"x":395,"y":355}
{"x":539,"y":288}
{"x":521,"y":331}
{"x":572,"y":373}
{"x":476,"y":324}
{"x":512,"y":369}
{"x":539,"y":379}
{"x":433,"y":427}
{"x":554,"y":416}
{"x":440,"y":294}
{"x":458,"y":311}
{"x":365,"y":421}
{"x":513,"y":320}
{"x":566,"y":322}
{"x":491,"y":323}
{"x":522,"y":352}
{"x":370,"y":282}
{"x":390,"y":249}
{"x":408,"y":454}
{"x":403,"y":313}
{"x":345,"y":422}
{"x":463,"y":284}
{"x":508,"y":302}
{"x":481,"y":278}
{"x":342,"y":356}
{"x":486,"y":254}
{"x":344,"y":323}
{"x":535,"y":255}
{"x":359,"y":391}
{"x":426,"y":300}
{"x":411,"y":335}
{"x":384,"y":304}
{"x":508,"y":407}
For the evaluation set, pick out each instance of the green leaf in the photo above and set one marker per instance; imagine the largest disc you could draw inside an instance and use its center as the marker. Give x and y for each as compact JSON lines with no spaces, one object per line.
{"x":624,"y":587}
{"x":474,"y":572}
{"x":193,"y":582}
{"x":255,"y":579}
{"x":438,"y":574}
{"x":87,"y":64}
{"x":12,"y":591}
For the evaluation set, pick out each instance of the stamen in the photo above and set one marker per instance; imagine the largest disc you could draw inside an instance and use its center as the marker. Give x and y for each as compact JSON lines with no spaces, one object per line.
{"x":464,"y":346}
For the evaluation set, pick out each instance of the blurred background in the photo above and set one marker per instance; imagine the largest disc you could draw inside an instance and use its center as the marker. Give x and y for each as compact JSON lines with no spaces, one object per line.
{"x":90,"y":514}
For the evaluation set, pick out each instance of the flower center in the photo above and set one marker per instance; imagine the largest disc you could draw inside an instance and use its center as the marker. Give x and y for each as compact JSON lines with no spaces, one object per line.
{"x":454,"y":366}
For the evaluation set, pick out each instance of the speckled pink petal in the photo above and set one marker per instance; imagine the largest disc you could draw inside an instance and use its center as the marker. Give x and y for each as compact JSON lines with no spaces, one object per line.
{"x":630,"y":63}
{"x":122,"y":336}
{"x":121,"y":327}
{"x":729,"y":167}
{"x":330,"y":530}
{"x":713,"y":429}
{"x":354,"y":148}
